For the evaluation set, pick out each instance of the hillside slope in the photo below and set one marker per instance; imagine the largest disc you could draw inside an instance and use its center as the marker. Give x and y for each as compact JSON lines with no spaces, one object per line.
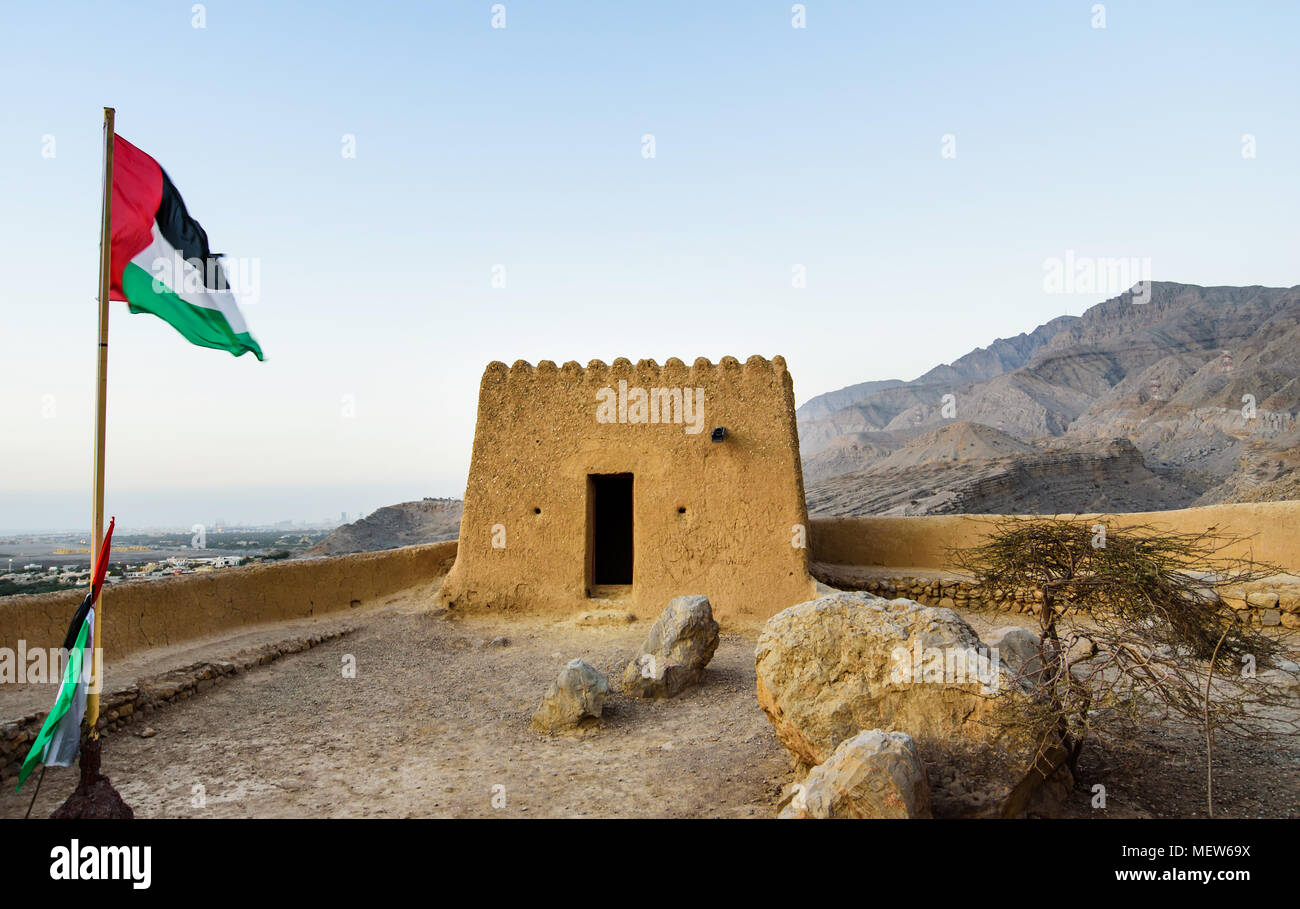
{"x":404,"y":524}
{"x":1105,"y":477}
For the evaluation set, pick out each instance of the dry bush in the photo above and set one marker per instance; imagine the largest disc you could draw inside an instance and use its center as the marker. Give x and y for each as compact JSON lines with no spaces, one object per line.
{"x":1161,"y":641}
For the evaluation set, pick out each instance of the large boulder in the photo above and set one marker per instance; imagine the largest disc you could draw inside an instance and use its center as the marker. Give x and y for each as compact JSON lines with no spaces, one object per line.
{"x":875,"y":774}
{"x":680,"y":644}
{"x":574,"y":700}
{"x":834,"y":666}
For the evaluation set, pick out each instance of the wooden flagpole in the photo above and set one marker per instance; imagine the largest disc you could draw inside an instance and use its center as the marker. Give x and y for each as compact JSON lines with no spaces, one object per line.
{"x":101,"y":412}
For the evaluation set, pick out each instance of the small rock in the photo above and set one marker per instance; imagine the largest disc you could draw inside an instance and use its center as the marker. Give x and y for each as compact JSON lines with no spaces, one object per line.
{"x":875,"y":774}
{"x":1280,"y":679}
{"x":574,"y":700}
{"x":147,"y":732}
{"x":1081,"y":649}
{"x":680,"y":644}
{"x":597,"y":617}
{"x":1019,"y":648}
{"x":1262,"y":599}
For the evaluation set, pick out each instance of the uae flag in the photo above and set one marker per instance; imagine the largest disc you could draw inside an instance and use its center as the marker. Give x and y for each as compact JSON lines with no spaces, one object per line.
{"x":161,"y":262}
{"x":59,"y":740}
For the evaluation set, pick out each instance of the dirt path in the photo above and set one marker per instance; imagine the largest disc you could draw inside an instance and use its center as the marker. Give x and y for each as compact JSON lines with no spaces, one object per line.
{"x":433,"y":720}
{"x":17,"y":700}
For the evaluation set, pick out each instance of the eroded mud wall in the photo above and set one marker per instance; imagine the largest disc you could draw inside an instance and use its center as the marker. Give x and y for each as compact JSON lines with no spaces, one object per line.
{"x":924,"y":541}
{"x":155,"y":613}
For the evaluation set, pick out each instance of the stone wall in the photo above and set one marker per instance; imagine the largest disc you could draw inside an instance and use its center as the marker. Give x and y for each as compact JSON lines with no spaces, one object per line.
{"x":1265,"y":603}
{"x":156,"y":613}
{"x":923,"y":542}
{"x":121,"y":707}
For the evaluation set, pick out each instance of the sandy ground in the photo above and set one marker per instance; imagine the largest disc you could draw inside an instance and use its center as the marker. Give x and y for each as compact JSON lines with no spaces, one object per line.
{"x":437,"y":718}
{"x":1162,"y":771}
{"x":17,"y":700}
{"x":433,"y":721}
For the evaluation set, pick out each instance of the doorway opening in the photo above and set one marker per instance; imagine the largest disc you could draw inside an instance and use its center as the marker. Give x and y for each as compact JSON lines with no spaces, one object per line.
{"x":609,"y":529}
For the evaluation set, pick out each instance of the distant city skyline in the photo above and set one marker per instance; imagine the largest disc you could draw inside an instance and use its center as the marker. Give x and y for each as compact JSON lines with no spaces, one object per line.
{"x":259,"y":508}
{"x":869,"y":193}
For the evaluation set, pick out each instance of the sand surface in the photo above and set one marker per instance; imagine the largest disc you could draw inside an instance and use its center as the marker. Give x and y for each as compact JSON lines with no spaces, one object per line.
{"x":437,"y":718}
{"x":433,"y":721}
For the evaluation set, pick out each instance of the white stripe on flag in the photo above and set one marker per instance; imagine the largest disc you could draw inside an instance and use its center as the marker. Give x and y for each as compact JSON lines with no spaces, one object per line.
{"x":182,"y":278}
{"x":61,"y":750}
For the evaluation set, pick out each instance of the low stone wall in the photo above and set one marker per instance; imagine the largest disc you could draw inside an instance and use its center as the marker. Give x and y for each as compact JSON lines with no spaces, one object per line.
{"x":123,"y":706}
{"x":157,"y":613}
{"x":910,"y":556}
{"x":924,"y":541}
{"x":1264,"y":603}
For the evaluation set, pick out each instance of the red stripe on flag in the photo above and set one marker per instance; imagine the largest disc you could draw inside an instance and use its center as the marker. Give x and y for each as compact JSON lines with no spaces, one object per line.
{"x":137,"y":190}
{"x":101,"y":563}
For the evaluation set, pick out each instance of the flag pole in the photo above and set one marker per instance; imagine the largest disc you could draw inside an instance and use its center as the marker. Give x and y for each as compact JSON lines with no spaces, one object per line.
{"x":101,"y":411}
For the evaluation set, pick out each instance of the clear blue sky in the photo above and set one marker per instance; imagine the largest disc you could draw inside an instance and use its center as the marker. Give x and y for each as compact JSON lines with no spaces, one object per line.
{"x":522,"y":146}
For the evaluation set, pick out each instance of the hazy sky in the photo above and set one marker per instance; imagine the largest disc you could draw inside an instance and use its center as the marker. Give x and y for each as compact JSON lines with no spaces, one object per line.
{"x":920,"y":161}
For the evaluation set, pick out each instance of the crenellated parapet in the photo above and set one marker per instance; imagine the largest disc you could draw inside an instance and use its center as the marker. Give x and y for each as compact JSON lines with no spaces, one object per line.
{"x":645,"y":372}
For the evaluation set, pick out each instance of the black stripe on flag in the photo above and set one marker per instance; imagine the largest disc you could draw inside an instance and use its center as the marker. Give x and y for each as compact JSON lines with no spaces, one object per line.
{"x":187,"y":236}
{"x":78,"y":618}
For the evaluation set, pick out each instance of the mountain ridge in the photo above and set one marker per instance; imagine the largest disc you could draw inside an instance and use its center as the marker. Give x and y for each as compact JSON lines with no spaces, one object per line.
{"x":1204,"y":382}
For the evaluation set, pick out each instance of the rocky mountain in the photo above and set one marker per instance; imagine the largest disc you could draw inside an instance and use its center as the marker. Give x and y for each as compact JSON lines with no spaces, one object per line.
{"x":1202,"y":383}
{"x":1045,"y":479}
{"x":404,"y":524}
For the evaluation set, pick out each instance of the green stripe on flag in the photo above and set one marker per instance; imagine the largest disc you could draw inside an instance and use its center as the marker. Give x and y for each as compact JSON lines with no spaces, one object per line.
{"x":67,"y":691}
{"x":205,"y":327}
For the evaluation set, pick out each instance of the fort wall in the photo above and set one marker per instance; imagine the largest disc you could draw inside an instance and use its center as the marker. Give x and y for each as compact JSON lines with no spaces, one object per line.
{"x":1273,"y":529}
{"x":156,"y":613}
{"x":909,"y":556}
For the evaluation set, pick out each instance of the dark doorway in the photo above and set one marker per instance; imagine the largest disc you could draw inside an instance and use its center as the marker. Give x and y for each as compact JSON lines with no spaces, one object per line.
{"x":609,"y":503}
